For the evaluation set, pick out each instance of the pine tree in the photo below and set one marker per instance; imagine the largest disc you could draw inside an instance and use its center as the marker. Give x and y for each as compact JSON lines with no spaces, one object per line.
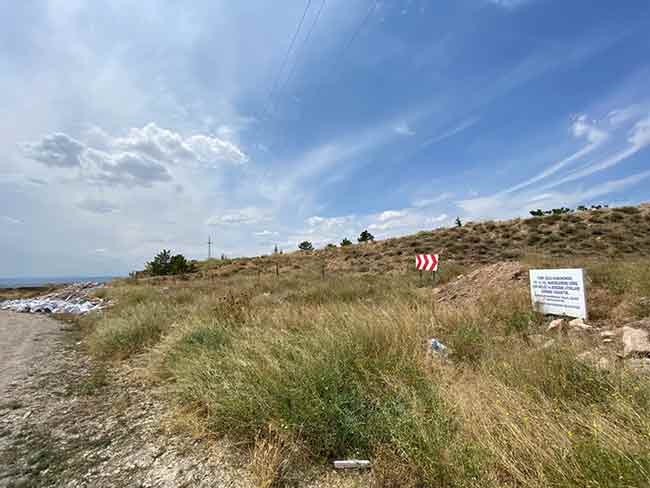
{"x":306,"y":246}
{"x":365,"y":236}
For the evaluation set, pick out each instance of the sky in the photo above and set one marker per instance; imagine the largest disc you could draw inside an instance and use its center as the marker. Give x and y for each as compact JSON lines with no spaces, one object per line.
{"x":129,"y":127}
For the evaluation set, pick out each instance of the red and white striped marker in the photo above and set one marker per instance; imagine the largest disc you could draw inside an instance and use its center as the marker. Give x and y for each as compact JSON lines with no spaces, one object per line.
{"x":426,"y":262}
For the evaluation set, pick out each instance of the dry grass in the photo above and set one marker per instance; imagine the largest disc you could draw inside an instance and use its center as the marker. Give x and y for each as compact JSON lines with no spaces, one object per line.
{"x":613,"y":233}
{"x":299,"y":371}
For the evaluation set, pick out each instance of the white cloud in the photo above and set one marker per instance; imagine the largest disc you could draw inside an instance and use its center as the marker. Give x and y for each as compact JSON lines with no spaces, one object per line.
{"x":508,"y":4}
{"x":583,"y":128}
{"x":391,"y":215}
{"x":462,"y":126}
{"x":97,"y":206}
{"x":428,"y":202}
{"x":243,"y":216}
{"x":640,"y":135}
{"x":638,"y":139}
{"x":329,"y":223}
{"x":499,"y":205}
{"x":10,"y":220}
{"x":56,"y":150}
{"x":522,"y":197}
{"x":620,"y":116}
{"x":403,"y":129}
{"x":265,"y":233}
{"x":141,"y":158}
{"x":166,"y":145}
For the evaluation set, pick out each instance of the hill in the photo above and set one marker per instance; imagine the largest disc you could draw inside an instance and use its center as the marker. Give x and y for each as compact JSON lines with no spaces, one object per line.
{"x":622,"y":232}
{"x":306,"y":367}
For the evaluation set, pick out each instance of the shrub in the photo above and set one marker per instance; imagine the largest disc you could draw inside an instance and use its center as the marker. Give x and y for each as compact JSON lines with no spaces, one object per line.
{"x":346,"y":242}
{"x":306,"y":246}
{"x":166,"y":264}
{"x":365,"y":236}
{"x":467,"y":342}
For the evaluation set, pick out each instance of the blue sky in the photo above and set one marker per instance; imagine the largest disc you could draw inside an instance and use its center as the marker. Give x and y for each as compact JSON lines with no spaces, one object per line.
{"x":129,"y":127}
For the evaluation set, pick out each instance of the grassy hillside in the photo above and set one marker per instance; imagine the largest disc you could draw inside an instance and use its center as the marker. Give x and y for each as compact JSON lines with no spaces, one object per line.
{"x":611,"y":233}
{"x":300,"y":369}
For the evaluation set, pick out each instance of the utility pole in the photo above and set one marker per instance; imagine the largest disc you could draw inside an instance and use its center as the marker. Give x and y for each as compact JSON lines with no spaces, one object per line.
{"x":209,"y":247}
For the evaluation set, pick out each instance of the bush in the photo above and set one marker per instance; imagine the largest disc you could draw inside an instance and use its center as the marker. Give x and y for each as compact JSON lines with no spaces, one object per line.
{"x":467,"y":342}
{"x":166,"y":264}
{"x":365,"y":236}
{"x":346,"y":242}
{"x":306,"y":246}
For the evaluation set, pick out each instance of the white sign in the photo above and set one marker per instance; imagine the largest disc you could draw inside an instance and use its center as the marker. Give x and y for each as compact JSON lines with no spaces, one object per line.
{"x":559,"y":291}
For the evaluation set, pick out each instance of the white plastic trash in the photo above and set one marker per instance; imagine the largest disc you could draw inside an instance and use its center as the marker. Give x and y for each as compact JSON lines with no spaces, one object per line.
{"x":352,"y":464}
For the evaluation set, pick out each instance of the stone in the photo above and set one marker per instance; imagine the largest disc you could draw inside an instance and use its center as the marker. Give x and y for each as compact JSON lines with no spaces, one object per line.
{"x":549,"y":343}
{"x":607,"y":334}
{"x":537,"y":339}
{"x":555,"y":325}
{"x":635,"y":342}
{"x":579,"y":324}
{"x":604,"y":363}
{"x":608,"y":340}
{"x":640,"y":365}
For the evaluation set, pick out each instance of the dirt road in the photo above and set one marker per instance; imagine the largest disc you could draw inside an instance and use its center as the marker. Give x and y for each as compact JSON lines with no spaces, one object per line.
{"x":24,"y":339}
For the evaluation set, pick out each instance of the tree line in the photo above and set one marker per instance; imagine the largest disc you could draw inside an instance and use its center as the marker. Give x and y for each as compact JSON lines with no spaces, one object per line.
{"x":564,"y":210}
{"x":365,"y":236}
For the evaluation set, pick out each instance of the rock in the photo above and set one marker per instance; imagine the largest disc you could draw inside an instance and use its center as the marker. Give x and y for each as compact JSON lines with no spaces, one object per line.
{"x":549,"y":343}
{"x":608,"y":340}
{"x":593,"y":358}
{"x":555,"y":325}
{"x":579,"y":324}
{"x":536,"y":339}
{"x":607,"y":334}
{"x":641,"y":365}
{"x":635,"y":342}
{"x":604,"y":363}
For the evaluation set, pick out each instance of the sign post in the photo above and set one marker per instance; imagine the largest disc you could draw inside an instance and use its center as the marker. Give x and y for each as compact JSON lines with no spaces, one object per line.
{"x":559,"y":292}
{"x":427,"y":262}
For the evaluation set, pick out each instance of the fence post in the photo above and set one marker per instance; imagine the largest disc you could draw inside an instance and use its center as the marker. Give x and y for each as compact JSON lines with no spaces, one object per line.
{"x":323,"y":270}
{"x":277,"y":270}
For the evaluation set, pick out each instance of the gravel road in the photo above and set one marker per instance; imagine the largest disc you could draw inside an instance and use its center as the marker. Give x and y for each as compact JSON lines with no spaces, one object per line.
{"x":24,"y":339}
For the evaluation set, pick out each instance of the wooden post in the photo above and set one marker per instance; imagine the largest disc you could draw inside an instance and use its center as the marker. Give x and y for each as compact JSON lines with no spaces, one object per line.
{"x":420,"y":277}
{"x":322,"y":270}
{"x":277,"y":270}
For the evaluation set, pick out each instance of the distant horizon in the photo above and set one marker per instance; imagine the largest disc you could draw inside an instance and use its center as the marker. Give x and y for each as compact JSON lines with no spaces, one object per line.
{"x":33,"y":281}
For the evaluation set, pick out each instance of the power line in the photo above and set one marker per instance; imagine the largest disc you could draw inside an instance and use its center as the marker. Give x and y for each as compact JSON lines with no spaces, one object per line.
{"x":288,"y":53}
{"x":356,"y":33}
{"x":302,"y":46}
